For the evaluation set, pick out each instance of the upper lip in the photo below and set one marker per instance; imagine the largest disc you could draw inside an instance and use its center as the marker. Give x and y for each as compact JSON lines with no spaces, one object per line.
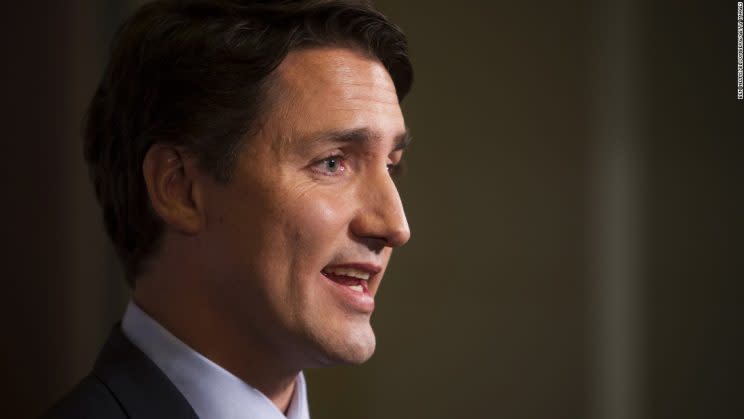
{"x":371,"y":269}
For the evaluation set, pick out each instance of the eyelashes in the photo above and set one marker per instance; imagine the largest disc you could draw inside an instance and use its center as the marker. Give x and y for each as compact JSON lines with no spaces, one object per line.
{"x":397,"y":170}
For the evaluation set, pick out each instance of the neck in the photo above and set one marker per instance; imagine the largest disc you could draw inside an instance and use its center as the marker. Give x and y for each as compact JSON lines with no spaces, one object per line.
{"x":209,"y":333}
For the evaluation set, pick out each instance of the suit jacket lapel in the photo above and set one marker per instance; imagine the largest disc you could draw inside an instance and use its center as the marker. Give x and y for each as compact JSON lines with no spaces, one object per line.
{"x":141,"y":388}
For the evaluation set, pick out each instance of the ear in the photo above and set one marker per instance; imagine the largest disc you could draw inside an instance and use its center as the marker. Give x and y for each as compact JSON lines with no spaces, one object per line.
{"x":171,"y":180}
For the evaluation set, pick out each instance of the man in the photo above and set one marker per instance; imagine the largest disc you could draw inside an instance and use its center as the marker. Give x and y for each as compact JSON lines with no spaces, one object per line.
{"x":243,"y":153}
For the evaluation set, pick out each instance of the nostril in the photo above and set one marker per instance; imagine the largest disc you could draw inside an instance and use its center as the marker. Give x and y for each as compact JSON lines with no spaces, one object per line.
{"x":376,"y":244}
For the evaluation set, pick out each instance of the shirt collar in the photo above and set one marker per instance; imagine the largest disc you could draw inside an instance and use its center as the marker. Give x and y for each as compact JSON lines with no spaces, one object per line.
{"x":212,"y":391}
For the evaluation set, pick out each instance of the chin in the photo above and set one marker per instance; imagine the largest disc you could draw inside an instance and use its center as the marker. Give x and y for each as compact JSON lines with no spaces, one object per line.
{"x":358,"y":352}
{"x":350,"y":347}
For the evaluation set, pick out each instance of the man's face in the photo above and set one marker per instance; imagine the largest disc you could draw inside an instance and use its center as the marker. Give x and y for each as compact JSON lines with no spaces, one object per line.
{"x":300,"y":238}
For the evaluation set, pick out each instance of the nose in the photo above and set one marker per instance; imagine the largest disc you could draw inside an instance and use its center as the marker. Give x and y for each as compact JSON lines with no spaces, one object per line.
{"x":380,"y":219}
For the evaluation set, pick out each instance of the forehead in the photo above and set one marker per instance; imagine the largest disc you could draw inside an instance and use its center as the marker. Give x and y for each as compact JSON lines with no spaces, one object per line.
{"x":320,"y":89}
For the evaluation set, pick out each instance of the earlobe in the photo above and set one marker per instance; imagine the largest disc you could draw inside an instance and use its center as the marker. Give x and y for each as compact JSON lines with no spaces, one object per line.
{"x":171,"y":188}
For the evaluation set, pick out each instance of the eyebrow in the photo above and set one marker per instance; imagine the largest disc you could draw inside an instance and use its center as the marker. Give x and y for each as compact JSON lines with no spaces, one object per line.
{"x":362,"y":135}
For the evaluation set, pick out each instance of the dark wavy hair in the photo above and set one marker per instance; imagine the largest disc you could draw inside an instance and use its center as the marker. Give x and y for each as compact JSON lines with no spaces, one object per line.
{"x":195,"y":73}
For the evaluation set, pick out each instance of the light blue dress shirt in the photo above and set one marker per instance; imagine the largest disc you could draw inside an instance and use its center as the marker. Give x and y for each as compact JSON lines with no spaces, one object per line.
{"x":212,"y":391}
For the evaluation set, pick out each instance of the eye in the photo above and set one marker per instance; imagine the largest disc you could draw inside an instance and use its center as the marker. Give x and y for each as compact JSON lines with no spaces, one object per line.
{"x":330,"y":166}
{"x":396,"y":169}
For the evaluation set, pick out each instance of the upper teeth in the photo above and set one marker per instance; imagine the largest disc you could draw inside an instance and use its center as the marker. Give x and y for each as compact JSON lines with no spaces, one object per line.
{"x":354,"y":273}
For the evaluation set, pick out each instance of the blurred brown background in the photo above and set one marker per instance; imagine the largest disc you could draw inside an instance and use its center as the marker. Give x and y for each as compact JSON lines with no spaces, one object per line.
{"x":574,"y":192}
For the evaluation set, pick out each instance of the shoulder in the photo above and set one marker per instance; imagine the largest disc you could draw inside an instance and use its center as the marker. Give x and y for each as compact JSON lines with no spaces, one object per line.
{"x":89,"y":399}
{"x":125,"y":383}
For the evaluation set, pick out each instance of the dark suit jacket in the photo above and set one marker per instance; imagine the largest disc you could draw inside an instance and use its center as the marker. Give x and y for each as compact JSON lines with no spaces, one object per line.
{"x":124,"y":383}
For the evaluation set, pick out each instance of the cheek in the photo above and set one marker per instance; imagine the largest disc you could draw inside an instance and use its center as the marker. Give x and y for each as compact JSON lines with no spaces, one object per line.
{"x":315,"y":231}
{"x":318,"y":224}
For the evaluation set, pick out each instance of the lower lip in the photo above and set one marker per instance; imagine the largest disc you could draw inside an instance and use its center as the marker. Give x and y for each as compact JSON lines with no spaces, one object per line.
{"x":354,"y":300}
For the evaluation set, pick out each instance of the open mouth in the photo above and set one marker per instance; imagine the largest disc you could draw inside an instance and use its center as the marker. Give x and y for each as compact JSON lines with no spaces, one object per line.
{"x":355,"y":279}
